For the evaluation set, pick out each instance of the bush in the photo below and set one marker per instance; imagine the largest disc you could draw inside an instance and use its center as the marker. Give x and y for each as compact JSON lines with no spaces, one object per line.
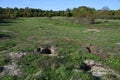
{"x":85,"y":20}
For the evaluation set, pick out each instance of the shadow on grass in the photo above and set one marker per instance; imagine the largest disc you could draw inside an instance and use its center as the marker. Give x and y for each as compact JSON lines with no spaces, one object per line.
{"x":6,"y":22}
{"x":101,"y":22}
{"x":4,"y":36}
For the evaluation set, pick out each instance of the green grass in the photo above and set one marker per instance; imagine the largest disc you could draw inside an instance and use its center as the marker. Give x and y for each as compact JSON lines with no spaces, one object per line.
{"x":70,"y":40}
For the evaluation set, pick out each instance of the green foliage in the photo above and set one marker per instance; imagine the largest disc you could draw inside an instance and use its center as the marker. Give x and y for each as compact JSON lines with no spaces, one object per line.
{"x":29,"y":64}
{"x":68,"y":13}
{"x":4,"y":61}
{"x":113,"y":62}
{"x":9,"y":78}
{"x":84,"y":15}
{"x":82,"y":12}
{"x":110,"y":77}
{"x":7,"y":44}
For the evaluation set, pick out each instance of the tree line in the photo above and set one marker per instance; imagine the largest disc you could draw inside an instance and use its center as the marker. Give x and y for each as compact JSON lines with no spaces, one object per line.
{"x":80,"y":12}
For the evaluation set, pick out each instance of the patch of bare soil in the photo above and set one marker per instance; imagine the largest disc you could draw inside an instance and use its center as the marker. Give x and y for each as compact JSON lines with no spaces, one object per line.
{"x":16,"y":56}
{"x":30,"y":38}
{"x":6,"y":31}
{"x":11,"y":69}
{"x":96,"y":69}
{"x":97,"y":51}
{"x":117,"y":43}
{"x":91,"y":30}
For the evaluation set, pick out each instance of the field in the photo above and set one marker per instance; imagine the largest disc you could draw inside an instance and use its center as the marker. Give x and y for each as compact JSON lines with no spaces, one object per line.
{"x":71,"y":41}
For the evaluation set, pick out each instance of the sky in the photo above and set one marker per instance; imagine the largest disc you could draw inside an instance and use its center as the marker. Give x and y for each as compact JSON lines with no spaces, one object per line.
{"x":60,"y":4}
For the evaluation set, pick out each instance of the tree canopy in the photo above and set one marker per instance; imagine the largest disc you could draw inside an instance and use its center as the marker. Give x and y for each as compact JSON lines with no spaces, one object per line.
{"x":81,"y":12}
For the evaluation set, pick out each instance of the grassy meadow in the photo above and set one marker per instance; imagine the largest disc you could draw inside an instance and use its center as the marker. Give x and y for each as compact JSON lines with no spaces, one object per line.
{"x":70,"y":39}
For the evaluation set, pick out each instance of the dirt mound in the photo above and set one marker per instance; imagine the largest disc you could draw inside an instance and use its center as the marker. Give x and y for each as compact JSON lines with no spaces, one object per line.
{"x":93,"y":49}
{"x":91,"y":30}
{"x":11,"y":69}
{"x":117,"y":43}
{"x":97,"y":51}
{"x":17,"y":55}
{"x":97,"y":69}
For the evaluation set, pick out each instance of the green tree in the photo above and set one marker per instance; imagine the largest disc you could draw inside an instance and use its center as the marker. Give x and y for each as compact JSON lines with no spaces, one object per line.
{"x":84,"y":15}
{"x":68,"y":13}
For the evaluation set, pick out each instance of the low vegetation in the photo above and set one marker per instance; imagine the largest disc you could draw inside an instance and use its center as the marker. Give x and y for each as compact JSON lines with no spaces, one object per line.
{"x":24,"y":36}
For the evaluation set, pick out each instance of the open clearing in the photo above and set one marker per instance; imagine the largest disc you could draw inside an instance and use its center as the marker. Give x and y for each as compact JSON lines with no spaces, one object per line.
{"x":73,"y":43}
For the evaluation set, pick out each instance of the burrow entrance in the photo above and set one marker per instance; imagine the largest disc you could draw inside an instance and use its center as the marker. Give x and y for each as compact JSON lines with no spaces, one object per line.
{"x":1,"y":69}
{"x":85,"y":67}
{"x":4,"y":36}
{"x":45,"y":50}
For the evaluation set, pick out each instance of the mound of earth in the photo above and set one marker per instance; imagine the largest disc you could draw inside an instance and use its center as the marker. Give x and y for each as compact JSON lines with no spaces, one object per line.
{"x":98,"y":70}
{"x":91,"y":30}
{"x":11,"y":69}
